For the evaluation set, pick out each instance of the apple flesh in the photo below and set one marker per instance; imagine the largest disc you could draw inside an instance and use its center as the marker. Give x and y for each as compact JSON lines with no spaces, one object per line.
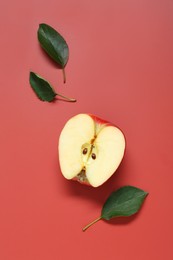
{"x":90,"y":149}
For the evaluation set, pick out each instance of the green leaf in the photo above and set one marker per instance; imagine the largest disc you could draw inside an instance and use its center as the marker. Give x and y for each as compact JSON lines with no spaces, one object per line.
{"x":54,"y":44}
{"x":126,"y":201}
{"x":42,"y":88}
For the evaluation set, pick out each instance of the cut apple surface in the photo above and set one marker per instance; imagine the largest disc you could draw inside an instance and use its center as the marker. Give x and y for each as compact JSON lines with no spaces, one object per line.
{"x":90,"y":149}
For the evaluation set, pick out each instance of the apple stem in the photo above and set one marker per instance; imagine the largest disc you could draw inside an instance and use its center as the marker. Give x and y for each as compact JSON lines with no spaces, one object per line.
{"x":90,"y":224}
{"x":67,"y":98}
{"x":64,"y":75}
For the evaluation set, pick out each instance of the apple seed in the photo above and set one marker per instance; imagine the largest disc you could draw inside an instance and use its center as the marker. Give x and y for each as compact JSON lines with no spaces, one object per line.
{"x":93,"y":156}
{"x":85,"y":150}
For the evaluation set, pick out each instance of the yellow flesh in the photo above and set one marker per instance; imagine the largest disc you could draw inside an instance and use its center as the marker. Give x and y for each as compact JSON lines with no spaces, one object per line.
{"x":77,"y":131}
{"x":108,"y":146}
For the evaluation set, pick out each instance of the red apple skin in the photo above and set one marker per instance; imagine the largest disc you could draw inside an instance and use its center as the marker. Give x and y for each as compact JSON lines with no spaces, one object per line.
{"x":100,"y":121}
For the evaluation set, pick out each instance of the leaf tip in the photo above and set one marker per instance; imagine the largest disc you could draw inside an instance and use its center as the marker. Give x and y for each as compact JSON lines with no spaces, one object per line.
{"x":146,"y":193}
{"x":42,"y":24}
{"x":31,"y":74}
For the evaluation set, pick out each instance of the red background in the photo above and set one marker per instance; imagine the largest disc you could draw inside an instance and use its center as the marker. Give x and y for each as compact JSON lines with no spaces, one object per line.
{"x":120,"y":69}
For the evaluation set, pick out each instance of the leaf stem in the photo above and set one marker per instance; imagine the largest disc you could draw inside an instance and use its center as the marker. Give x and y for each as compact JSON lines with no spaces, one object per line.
{"x":67,"y":98}
{"x":90,"y":224}
{"x":64,"y":75}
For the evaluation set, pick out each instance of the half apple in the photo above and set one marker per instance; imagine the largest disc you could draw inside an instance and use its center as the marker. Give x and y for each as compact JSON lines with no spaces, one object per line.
{"x":90,"y":149}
